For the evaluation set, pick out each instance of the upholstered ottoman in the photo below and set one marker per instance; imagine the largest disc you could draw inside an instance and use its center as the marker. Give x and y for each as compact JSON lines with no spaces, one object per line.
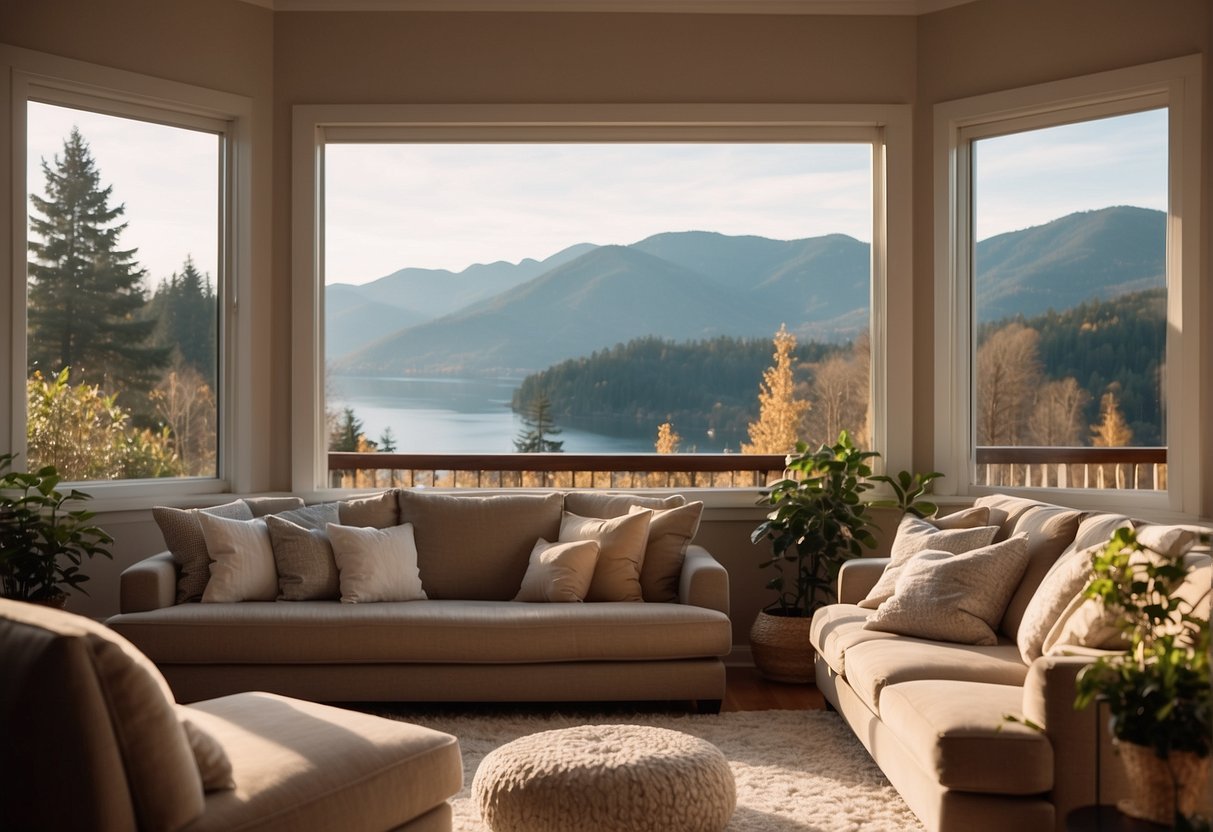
{"x":606,"y":778}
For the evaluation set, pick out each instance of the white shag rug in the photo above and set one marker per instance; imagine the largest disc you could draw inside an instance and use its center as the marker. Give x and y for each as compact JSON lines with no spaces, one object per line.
{"x":796,"y":771}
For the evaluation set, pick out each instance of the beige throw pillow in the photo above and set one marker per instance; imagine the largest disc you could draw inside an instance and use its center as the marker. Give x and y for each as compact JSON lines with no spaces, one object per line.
{"x":954,"y":597}
{"x":670,"y":532}
{"x":621,"y":543}
{"x":242,"y":560}
{"x":214,"y":766}
{"x":1063,"y":583}
{"x":916,"y":535}
{"x":379,"y":511}
{"x":966,"y":518}
{"x":559,"y":572}
{"x":609,"y":504}
{"x":376,"y":564}
{"x":183,"y":537}
{"x":304,"y":560}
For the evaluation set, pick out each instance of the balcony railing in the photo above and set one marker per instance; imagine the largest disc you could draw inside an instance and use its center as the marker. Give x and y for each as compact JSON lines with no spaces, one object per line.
{"x":1032,"y":467}
{"x":1001,"y":466}
{"x":352,"y":470}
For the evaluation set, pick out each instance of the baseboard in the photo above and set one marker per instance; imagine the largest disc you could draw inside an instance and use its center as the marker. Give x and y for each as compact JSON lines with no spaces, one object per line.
{"x":740,"y":656}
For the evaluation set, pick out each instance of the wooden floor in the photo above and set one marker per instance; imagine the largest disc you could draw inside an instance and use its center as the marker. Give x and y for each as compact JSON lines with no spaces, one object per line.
{"x":747,"y":691}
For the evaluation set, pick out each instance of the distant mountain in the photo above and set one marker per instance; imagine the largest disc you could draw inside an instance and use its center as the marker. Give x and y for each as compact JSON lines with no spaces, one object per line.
{"x":1080,"y":257}
{"x":698,"y":284}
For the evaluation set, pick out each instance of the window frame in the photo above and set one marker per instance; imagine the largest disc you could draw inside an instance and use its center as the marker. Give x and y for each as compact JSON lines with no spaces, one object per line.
{"x":1174,"y":84}
{"x":35,"y":76}
{"x":886,"y":127}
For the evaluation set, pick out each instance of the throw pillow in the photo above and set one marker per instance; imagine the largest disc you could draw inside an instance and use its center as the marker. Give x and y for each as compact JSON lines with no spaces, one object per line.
{"x":954,"y":597}
{"x":559,"y":572}
{"x":242,"y":560}
{"x":304,"y":560}
{"x":916,"y":535}
{"x":183,"y":537}
{"x":214,"y":766}
{"x":1050,"y":529}
{"x":612,"y":504}
{"x":379,"y":511}
{"x":966,"y":518}
{"x":265,"y":506}
{"x":670,"y":532}
{"x":1065,"y":581}
{"x":376,"y":564}
{"x":311,"y":517}
{"x":621,"y":544}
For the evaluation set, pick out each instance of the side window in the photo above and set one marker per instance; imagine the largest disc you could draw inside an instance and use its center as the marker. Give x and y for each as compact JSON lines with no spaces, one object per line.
{"x":125,"y":269}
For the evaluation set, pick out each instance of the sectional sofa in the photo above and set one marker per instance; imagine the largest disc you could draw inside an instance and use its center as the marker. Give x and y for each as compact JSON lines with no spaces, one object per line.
{"x":660,"y":632}
{"x":933,"y":713}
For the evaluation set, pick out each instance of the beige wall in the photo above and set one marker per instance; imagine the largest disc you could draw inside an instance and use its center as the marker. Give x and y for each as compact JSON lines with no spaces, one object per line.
{"x":284,"y":59}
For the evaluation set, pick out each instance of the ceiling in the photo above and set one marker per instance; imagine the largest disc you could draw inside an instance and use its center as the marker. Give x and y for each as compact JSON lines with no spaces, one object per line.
{"x":844,"y":7}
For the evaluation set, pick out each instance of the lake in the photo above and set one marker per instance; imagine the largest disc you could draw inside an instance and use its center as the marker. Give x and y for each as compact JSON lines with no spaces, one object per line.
{"x":454,"y":415}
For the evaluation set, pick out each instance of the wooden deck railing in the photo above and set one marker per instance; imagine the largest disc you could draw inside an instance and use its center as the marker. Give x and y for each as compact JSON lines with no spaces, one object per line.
{"x":1033,"y":467}
{"x":352,"y":470}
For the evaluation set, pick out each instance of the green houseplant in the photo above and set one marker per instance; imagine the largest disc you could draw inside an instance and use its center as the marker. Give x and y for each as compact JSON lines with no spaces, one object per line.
{"x":1157,"y":693}
{"x":43,"y":542}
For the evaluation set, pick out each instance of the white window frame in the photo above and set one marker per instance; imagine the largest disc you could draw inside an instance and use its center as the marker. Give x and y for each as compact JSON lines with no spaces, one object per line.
{"x":887,"y":127}
{"x":36,"y":76}
{"x":1174,"y":84}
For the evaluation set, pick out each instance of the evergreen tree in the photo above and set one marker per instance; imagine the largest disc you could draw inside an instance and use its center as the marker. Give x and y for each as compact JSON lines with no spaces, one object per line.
{"x":348,"y":435}
{"x":780,"y":413}
{"x":387,"y":441}
{"x":538,"y":426}
{"x":86,"y":293}
{"x":186,"y":313}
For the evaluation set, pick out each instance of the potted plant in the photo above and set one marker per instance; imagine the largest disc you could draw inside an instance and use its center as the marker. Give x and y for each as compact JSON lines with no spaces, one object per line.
{"x":42,"y":541}
{"x":1157,"y":693}
{"x":818,"y":520}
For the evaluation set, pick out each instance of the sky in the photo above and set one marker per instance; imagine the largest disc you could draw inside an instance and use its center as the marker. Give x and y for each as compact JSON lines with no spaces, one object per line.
{"x":452,"y":205}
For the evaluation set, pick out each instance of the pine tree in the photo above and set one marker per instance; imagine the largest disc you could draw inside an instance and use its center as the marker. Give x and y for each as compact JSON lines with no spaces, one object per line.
{"x":538,"y":426}
{"x":185,"y":310}
{"x":780,"y":413}
{"x":348,"y":435}
{"x":86,"y":293}
{"x":387,"y":441}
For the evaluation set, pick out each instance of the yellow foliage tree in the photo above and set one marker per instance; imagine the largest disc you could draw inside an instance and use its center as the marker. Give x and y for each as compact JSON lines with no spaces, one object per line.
{"x":1112,"y":431}
{"x":667,"y":439}
{"x":780,"y":413}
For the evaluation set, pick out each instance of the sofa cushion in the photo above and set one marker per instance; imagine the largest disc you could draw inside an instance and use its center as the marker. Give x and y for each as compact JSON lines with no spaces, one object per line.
{"x":478,"y":548}
{"x":265,"y":506}
{"x":242,"y":560}
{"x":837,"y":627}
{"x":873,"y":665}
{"x":621,"y":544}
{"x":445,"y":632}
{"x":1005,"y":511}
{"x":559,"y":572}
{"x":304,"y":561}
{"x":165,"y":786}
{"x":379,"y":511}
{"x":1050,"y":530}
{"x":670,"y":532}
{"x":916,"y":535}
{"x":376,"y":564}
{"x":956,"y":731}
{"x":183,"y":537}
{"x":303,"y":766}
{"x":950,"y":597}
{"x":607,"y":504}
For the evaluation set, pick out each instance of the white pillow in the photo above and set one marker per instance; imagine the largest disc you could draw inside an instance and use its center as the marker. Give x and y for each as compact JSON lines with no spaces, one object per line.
{"x":559,"y":572}
{"x":916,"y":535}
{"x":376,"y":564}
{"x":947,"y":597}
{"x":242,"y":560}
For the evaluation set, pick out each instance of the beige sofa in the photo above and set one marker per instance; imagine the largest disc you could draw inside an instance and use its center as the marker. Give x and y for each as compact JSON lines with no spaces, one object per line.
{"x":93,"y":742}
{"x":931,"y":713}
{"x":468,"y":641}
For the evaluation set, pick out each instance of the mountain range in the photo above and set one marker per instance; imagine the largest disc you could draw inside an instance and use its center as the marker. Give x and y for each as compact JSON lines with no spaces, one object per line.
{"x":517,"y":317}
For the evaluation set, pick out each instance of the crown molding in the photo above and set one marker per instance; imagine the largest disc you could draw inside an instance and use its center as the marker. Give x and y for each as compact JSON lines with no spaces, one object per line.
{"x":824,"y":7}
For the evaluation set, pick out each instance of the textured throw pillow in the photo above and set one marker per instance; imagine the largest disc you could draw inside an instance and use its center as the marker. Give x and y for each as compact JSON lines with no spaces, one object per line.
{"x":265,"y":506}
{"x":183,"y":537}
{"x":376,"y":564}
{"x":242,"y":560}
{"x":311,"y":517}
{"x":621,"y":543}
{"x":1050,"y":529}
{"x":613,"y":504}
{"x":670,"y":531}
{"x":214,"y":766}
{"x":304,"y":560}
{"x":947,"y":597}
{"x":966,"y":518}
{"x":916,"y":535}
{"x":379,"y":511}
{"x":1063,"y":583}
{"x":559,"y":572}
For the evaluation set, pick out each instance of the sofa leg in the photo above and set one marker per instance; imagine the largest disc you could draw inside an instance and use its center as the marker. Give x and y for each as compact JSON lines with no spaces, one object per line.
{"x":708,"y":706}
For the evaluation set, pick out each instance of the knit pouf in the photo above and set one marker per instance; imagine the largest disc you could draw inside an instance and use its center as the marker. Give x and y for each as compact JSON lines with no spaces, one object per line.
{"x":606,"y":778}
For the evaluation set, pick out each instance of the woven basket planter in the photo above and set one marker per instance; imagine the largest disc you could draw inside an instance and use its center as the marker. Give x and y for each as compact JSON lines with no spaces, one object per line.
{"x":1153,"y":782}
{"x":781,"y":648}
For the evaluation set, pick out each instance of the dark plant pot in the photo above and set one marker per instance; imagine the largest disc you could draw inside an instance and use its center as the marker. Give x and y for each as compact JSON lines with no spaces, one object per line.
{"x":781,"y":648}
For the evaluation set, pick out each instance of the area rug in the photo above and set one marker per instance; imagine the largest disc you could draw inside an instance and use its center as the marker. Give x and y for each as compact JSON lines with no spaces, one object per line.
{"x":796,"y":771}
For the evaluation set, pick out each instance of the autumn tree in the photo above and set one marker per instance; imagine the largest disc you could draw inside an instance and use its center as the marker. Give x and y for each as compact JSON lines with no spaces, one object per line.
{"x":840,"y":395}
{"x":1056,"y":420}
{"x":538,"y":425}
{"x":780,"y":412}
{"x":85,"y":292}
{"x":1008,"y":373}
{"x":1111,"y":431}
{"x":667,"y":440}
{"x":185,"y":404}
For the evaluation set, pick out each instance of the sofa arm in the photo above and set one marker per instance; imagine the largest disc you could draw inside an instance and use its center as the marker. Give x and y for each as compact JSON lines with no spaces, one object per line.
{"x":704,"y":581}
{"x":149,"y":584}
{"x":857,"y":577}
{"x":1048,"y":701}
